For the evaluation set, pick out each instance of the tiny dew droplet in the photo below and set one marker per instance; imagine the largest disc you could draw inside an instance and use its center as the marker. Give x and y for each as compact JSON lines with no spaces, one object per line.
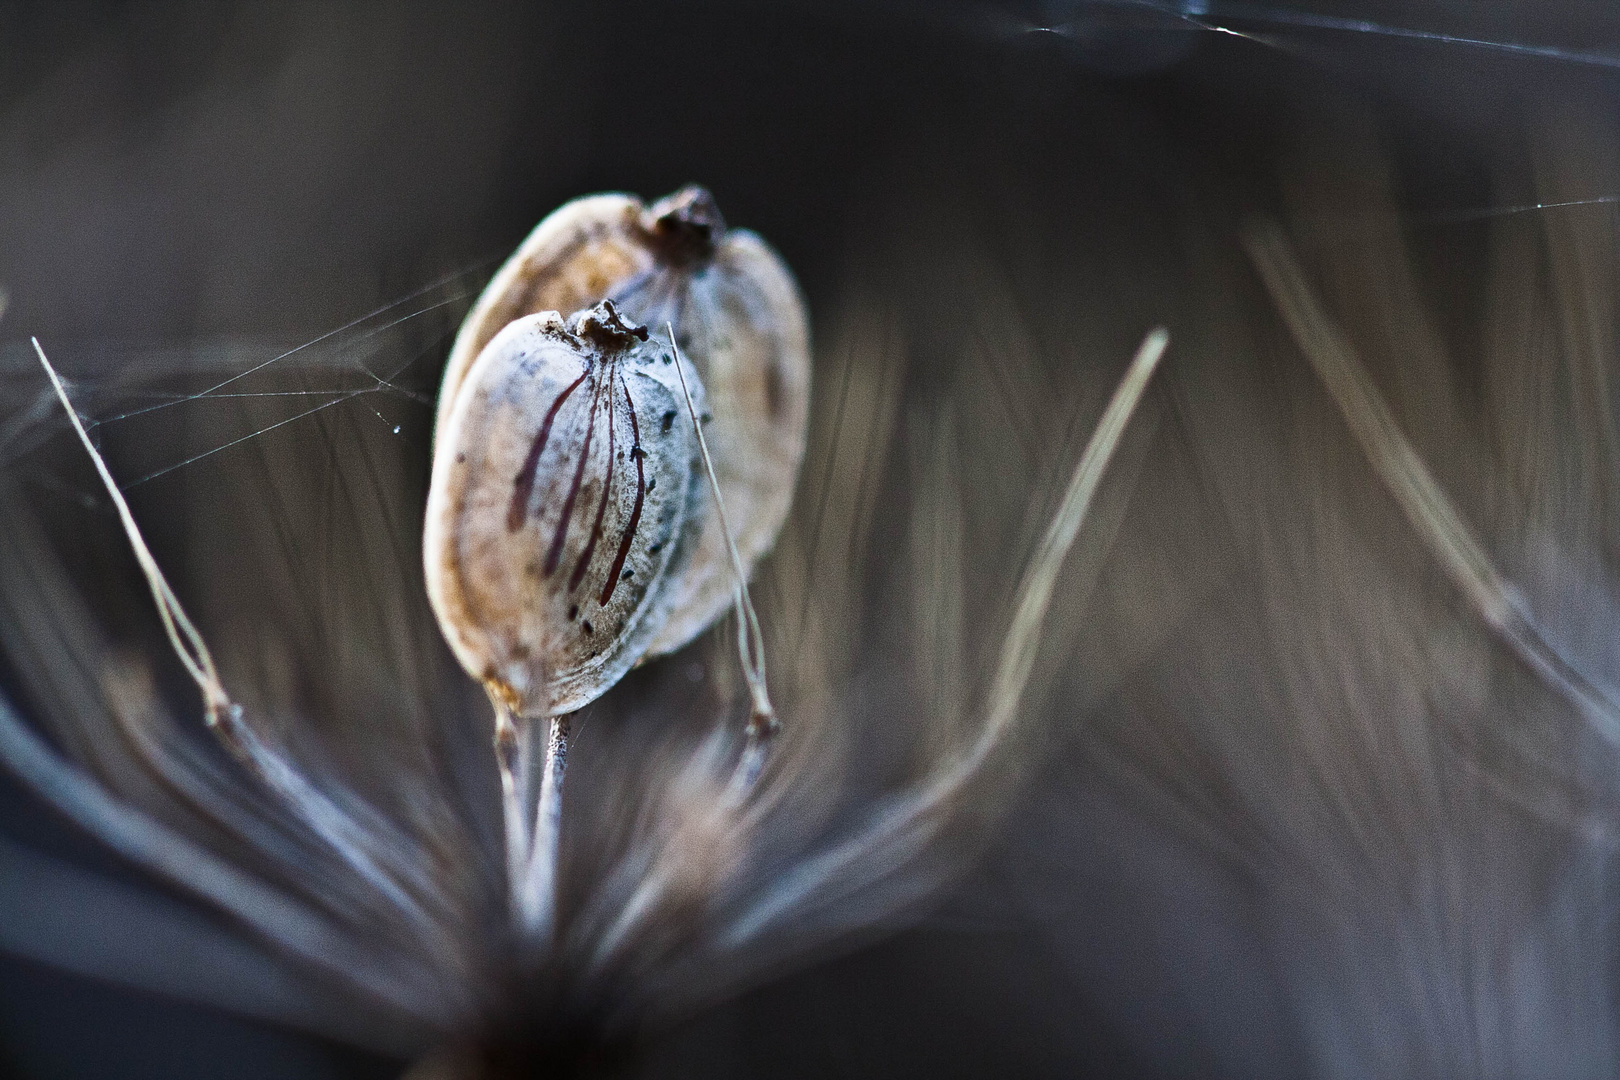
{"x":538,"y":534}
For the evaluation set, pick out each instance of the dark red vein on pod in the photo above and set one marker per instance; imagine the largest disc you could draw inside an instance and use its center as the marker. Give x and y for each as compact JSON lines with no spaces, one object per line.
{"x":554,"y":556}
{"x":635,"y":512}
{"x":601,"y":504}
{"x":523,"y":484}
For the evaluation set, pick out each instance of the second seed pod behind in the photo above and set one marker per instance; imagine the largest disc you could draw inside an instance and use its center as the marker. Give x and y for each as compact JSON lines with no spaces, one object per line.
{"x":739,"y":318}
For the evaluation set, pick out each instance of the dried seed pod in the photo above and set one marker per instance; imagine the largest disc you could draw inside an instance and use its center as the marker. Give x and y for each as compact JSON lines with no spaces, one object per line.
{"x":566,"y":497}
{"x":739,"y":318}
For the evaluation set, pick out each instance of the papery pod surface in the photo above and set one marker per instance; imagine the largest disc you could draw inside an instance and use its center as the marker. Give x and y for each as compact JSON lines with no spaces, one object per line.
{"x":566,"y":499}
{"x":738,"y":316}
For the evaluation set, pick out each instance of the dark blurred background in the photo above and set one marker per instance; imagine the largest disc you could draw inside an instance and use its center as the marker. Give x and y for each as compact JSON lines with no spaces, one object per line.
{"x":175,"y":173}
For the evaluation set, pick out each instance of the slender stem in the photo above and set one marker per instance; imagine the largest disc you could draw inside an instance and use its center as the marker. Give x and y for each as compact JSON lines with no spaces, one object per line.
{"x":303,"y":931}
{"x":538,"y":905}
{"x":1438,"y":522}
{"x":347,"y":837}
{"x":762,"y":724}
{"x":756,"y":749}
{"x":188,"y":644}
{"x":511,"y":758}
{"x":899,"y":832}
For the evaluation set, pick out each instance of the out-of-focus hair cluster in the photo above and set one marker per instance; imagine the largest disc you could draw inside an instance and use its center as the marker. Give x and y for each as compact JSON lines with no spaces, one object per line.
{"x":1308,"y":766}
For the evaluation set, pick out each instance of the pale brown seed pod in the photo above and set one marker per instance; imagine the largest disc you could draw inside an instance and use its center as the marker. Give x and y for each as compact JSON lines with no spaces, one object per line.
{"x":740,"y":320}
{"x":564,"y":503}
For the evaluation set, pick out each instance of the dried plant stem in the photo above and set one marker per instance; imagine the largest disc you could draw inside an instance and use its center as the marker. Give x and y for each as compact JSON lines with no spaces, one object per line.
{"x":531,"y":824}
{"x":512,"y":763}
{"x":183,"y":636}
{"x":900,"y":832}
{"x":1035,"y":590}
{"x":292,"y":925}
{"x":1432,"y":514}
{"x":750,"y":640}
{"x":538,"y":899}
{"x":762,"y":723}
{"x":346,"y":837}
{"x":151,"y":845}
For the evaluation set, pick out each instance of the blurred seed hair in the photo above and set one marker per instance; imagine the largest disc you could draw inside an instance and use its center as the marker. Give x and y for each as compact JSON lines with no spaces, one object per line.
{"x":1306,"y":777}
{"x":699,"y":893}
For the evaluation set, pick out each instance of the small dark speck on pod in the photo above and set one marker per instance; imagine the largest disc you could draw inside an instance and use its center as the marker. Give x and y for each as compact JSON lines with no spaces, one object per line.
{"x":461,"y":459}
{"x":628,"y":574}
{"x":573,"y":612}
{"x":589,"y":629}
{"x":669,"y":418}
{"x":655,"y":549}
{"x":652,"y":483}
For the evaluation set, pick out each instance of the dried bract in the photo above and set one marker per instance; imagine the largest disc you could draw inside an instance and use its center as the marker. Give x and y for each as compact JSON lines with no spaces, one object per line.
{"x":565,"y":500}
{"x":737,"y":315}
